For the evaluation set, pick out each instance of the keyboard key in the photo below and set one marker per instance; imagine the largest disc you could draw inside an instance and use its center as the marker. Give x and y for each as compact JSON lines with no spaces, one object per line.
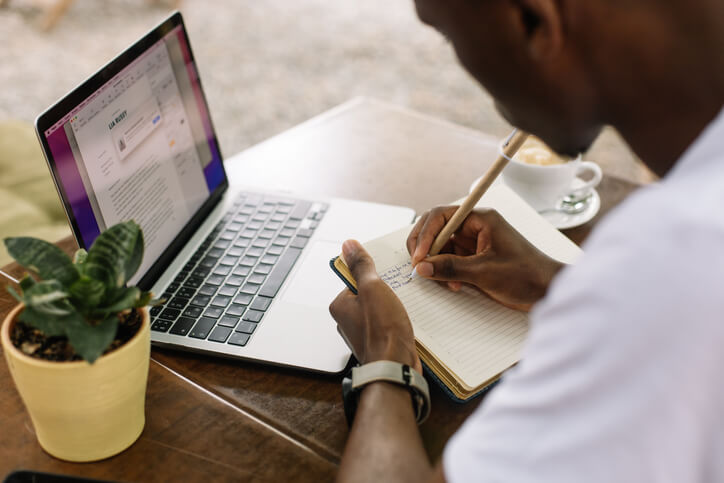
{"x":229,"y":321}
{"x":235,"y":280}
{"x":201,"y":272}
{"x":292,"y":224}
{"x":194,"y":282}
{"x":220,"y":334}
{"x":202,"y":328}
{"x":182,"y":326}
{"x":201,"y":300}
{"x":239,"y":338}
{"x":247,"y":210}
{"x":252,"y":316}
{"x":274,"y":250}
{"x":250,"y":288}
{"x":234,"y":252}
{"x":236,"y":310}
{"x":305,"y":232}
{"x":224,"y":270}
{"x":243,"y":299}
{"x":161,"y":325}
{"x":221,"y":301}
{"x":260,"y":216}
{"x":255,"y":225}
{"x":300,"y":211}
{"x":170,"y":314}
{"x":284,"y":208}
{"x":248,"y":261}
{"x":287,"y":232}
{"x":241,"y":219}
{"x":172,"y":287}
{"x":278,"y":217}
{"x":229,"y":260}
{"x":207,"y":290}
{"x":242,"y":242}
{"x":214,"y":312}
{"x":246,"y":327}
{"x":234,"y":227}
{"x":177,"y":303}
{"x":279,"y":272}
{"x":263,"y":268}
{"x":222,"y":244}
{"x":313,"y":225}
{"x":267,"y":208}
{"x":273,"y":225}
{"x":260,"y":303}
{"x":255,"y":252}
{"x":260,"y":242}
{"x":269,"y":259}
{"x":266,"y":234}
{"x":216,"y":252}
{"x":281,"y":241}
{"x":242,"y":271}
{"x":215,"y":280}
{"x":208,"y":262}
{"x":257,"y":278}
{"x":248,"y":233}
{"x":156,"y":310}
{"x":192,"y":312}
{"x":228,"y":290}
{"x":186,"y":292}
{"x":299,"y":242}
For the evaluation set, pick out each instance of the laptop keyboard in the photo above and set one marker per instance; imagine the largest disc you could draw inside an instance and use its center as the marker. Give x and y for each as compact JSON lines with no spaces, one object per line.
{"x":226,"y":287}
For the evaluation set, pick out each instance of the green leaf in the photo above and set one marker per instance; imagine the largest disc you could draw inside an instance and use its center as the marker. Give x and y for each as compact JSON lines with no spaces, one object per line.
{"x":80,"y":256}
{"x":87,"y":292}
{"x":48,"y":297}
{"x":143,"y":300}
{"x":89,"y":341}
{"x":123,"y":299}
{"x":113,"y":254}
{"x":15,"y":294}
{"x":47,"y":324}
{"x":46,"y":259}
{"x":26,"y":282}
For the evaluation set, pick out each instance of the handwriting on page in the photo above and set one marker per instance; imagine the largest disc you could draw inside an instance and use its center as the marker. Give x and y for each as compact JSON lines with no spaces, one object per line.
{"x":478,"y":335}
{"x":397,"y":276}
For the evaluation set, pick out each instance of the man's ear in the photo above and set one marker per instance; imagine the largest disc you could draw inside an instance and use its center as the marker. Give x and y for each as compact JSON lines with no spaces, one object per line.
{"x":541,"y":24}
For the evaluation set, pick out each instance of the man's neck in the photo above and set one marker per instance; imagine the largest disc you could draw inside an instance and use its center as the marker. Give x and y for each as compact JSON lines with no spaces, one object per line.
{"x":674,"y":91}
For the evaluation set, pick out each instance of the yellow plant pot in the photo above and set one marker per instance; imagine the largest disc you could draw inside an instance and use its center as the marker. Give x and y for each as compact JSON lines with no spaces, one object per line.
{"x":81,"y":411}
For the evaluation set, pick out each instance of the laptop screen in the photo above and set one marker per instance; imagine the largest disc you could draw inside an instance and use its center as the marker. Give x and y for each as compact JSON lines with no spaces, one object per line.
{"x":140,"y":146}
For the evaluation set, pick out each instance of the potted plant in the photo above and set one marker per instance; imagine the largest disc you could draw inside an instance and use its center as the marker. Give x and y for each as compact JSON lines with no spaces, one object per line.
{"x":78,"y":344}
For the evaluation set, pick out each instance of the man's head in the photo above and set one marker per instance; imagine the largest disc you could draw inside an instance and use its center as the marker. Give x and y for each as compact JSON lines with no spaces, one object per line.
{"x":562,"y":69}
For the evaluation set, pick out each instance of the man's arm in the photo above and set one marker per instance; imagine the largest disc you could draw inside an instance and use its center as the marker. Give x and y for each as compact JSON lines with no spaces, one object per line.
{"x":384,"y":444}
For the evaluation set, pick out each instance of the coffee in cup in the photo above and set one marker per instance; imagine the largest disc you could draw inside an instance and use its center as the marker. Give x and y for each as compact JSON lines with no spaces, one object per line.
{"x":543,"y":179}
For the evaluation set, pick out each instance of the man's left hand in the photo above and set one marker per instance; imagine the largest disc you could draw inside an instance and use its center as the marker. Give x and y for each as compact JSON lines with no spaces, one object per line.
{"x":373,"y":323}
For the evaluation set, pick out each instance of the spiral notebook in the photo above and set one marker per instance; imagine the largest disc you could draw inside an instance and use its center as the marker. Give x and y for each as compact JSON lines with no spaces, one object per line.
{"x":465,"y":339}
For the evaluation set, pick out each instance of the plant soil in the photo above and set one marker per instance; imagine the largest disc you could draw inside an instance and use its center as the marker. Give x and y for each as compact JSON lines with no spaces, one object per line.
{"x":34,"y":343}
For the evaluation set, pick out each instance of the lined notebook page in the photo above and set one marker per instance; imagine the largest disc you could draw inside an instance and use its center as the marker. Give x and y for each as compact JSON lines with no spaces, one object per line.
{"x":471,"y":334}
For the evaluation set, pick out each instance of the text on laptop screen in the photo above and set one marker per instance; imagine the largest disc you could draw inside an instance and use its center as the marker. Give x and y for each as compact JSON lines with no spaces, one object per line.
{"x":140,"y":148}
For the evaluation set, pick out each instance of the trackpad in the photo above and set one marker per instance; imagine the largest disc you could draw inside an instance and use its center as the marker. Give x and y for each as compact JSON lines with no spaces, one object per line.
{"x":315,"y":283}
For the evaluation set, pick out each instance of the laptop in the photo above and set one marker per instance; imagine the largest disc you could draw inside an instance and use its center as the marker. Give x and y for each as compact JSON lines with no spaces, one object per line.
{"x":244,"y":271}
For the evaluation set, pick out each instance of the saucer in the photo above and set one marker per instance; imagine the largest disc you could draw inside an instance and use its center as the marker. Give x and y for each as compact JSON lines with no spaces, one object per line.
{"x":561,"y":220}
{"x":564,"y":221}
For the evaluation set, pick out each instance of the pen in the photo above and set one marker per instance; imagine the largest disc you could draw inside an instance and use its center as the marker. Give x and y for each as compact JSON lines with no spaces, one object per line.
{"x":508,"y":149}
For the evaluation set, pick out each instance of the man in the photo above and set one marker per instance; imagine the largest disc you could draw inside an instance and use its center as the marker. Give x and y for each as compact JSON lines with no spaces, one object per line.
{"x":620,"y":379}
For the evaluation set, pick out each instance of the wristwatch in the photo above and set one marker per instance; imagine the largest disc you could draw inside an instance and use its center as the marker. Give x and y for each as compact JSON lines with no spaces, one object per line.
{"x":387,"y":371}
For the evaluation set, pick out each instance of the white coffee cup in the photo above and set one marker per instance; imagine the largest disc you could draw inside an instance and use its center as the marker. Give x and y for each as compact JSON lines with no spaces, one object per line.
{"x":544,"y":185}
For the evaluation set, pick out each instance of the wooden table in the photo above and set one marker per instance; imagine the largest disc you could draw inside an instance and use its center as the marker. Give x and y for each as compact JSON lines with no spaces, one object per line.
{"x":218,"y":420}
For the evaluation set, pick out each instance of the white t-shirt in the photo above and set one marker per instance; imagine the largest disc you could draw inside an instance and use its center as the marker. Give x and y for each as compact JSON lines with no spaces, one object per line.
{"x":622,"y":375}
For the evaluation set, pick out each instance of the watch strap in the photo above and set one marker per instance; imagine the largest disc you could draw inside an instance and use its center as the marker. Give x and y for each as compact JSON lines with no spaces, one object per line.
{"x":396,"y":373}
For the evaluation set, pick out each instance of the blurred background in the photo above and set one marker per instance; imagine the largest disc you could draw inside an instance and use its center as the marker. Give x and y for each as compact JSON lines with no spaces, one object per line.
{"x":265,"y":65}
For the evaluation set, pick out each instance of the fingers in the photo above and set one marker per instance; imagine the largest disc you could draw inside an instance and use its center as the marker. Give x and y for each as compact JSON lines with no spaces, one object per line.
{"x":425,"y":231}
{"x":450,"y":268}
{"x":360,"y":262}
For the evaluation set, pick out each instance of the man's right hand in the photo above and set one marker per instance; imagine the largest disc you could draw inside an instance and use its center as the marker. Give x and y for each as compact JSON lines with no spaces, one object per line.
{"x":485,"y":252}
